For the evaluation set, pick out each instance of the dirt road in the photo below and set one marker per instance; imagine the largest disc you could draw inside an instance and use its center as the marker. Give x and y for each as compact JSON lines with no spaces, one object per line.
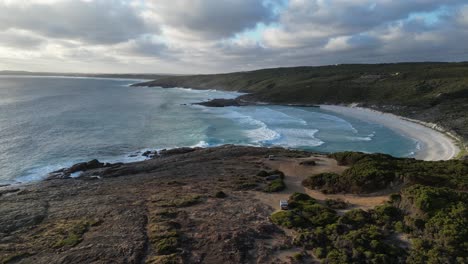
{"x":295,"y":173}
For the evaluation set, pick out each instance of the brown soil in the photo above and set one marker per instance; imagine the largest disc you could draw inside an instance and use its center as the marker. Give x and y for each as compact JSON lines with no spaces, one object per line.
{"x":162,"y":210}
{"x":295,"y":173}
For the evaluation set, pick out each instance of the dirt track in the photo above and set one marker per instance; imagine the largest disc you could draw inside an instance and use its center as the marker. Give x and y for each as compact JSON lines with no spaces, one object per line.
{"x":295,"y":173}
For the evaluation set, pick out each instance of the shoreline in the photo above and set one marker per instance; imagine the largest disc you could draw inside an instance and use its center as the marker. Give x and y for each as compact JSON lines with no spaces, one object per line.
{"x":435,"y":144}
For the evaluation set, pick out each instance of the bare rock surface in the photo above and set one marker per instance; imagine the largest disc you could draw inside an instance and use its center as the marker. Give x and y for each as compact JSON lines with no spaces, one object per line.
{"x":162,"y":210}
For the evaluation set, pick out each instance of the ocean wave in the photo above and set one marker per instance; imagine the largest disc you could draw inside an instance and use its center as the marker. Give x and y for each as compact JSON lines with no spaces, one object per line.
{"x":256,"y":130}
{"x":297,"y":137}
{"x":40,"y":173}
{"x":201,"y":144}
{"x":262,"y":134}
{"x":337,"y":121}
{"x":275,"y":117}
{"x":366,"y":138}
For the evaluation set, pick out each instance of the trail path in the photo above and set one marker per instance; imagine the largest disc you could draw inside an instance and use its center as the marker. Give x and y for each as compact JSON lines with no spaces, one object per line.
{"x":295,"y":173}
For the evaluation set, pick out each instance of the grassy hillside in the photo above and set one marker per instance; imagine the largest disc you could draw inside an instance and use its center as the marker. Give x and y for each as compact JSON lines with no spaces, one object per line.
{"x":434,"y":92}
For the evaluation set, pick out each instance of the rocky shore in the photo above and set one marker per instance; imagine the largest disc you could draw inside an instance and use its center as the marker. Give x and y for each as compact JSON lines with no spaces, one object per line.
{"x":220,"y":102}
{"x":162,"y":210}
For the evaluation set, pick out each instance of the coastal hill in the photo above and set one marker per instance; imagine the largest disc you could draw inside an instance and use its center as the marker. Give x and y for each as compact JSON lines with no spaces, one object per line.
{"x":221,"y":205}
{"x":432,"y":92}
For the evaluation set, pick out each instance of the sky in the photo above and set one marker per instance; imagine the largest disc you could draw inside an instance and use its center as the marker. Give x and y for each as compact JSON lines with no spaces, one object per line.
{"x":212,"y":36}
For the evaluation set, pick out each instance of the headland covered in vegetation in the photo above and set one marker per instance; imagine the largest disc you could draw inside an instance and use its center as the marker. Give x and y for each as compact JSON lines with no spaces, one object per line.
{"x":432,"y":92}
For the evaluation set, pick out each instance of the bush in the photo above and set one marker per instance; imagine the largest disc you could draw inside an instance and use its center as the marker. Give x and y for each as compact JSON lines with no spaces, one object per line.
{"x":319,"y":252}
{"x":275,"y":186}
{"x":220,"y":194}
{"x":374,"y":172}
{"x":336,"y":203}
{"x":289,"y":219}
{"x":325,"y":182}
{"x":166,"y":246}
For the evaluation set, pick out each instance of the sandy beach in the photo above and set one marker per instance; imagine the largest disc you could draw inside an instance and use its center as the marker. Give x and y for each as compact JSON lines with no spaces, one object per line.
{"x":435,"y":145}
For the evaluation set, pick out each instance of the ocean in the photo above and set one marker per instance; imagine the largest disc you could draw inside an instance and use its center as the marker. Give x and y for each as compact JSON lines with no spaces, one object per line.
{"x":47,"y":123}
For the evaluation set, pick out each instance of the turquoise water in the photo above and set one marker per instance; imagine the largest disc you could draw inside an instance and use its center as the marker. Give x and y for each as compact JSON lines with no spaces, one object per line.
{"x":50,"y":123}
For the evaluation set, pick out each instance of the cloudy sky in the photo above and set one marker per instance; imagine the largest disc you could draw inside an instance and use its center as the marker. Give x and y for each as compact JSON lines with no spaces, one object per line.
{"x":208,"y":36}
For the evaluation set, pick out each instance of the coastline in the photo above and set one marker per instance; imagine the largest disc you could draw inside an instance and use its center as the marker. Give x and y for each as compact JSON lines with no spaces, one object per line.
{"x":435,"y":144}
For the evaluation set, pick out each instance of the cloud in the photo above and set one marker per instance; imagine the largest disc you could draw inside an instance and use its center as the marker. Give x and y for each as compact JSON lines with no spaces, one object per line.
{"x":205,"y":36}
{"x":209,"y":19}
{"x":20,"y":39}
{"x":96,"y":22}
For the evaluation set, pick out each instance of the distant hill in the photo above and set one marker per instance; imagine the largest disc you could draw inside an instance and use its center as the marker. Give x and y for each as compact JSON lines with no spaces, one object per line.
{"x":434,"y":92}
{"x":92,"y":75}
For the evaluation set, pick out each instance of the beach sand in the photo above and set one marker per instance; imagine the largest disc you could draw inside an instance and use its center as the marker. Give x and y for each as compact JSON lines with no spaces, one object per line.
{"x":434,"y":145}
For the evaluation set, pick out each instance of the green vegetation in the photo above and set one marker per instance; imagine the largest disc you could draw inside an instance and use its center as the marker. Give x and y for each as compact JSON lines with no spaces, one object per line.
{"x":374,"y":172}
{"x":59,"y":235}
{"x":165,"y":259}
{"x":437,"y":219}
{"x":274,"y":180}
{"x":275,"y":185}
{"x":71,"y":232}
{"x":220,"y":194}
{"x":264,"y":173}
{"x":431,"y":210}
{"x":355,"y":237}
{"x":13,"y":258}
{"x":336,"y":204}
{"x":164,"y":233}
{"x":299,"y":256}
{"x":246,"y":183}
{"x":183,"y":201}
{"x":434,"y":92}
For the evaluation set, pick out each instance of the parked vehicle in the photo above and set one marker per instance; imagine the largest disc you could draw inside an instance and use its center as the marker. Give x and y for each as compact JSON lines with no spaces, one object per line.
{"x":284,"y":205}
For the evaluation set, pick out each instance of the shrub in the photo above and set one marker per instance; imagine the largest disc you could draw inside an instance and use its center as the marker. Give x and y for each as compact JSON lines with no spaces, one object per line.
{"x":275,"y":186}
{"x":220,"y":194}
{"x":325,"y":182}
{"x":336,"y":203}
{"x":289,"y":219}
{"x":167,"y":245}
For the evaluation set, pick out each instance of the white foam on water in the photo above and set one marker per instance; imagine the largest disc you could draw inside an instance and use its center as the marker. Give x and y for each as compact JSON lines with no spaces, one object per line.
{"x":201,"y":144}
{"x":262,"y":134}
{"x":297,"y":137}
{"x":275,"y":117}
{"x":40,"y":173}
{"x":129,"y":157}
{"x":76,"y":174}
{"x":366,"y":138}
{"x":256,"y":130}
{"x":336,"y":121}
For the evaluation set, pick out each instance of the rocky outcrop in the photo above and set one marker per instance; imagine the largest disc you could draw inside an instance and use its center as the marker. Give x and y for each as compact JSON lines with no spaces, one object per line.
{"x":161,"y":209}
{"x":80,"y":167}
{"x":176,"y":151}
{"x":222,"y":103}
